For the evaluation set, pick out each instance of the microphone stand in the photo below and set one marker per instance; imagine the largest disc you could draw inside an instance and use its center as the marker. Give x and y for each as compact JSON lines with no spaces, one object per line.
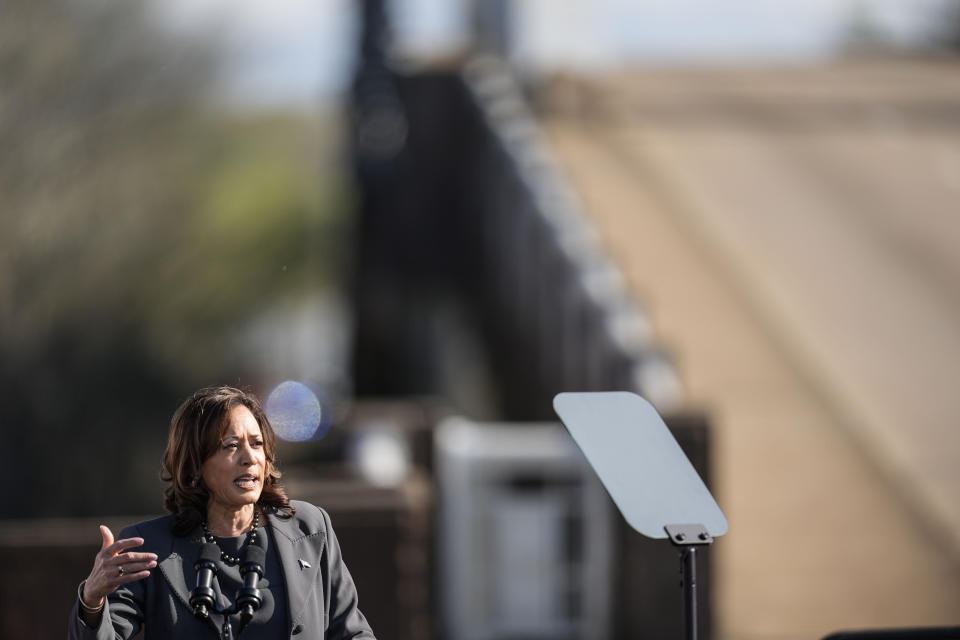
{"x":248,"y":598}
{"x":226,"y":631}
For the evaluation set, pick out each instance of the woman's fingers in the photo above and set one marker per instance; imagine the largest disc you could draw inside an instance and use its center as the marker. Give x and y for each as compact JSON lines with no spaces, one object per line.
{"x":131,"y":577}
{"x":131,"y":562}
{"x":118,"y":546}
{"x":106,"y":575}
{"x":107,"y":536}
{"x":125,"y":558}
{"x":130,"y":566}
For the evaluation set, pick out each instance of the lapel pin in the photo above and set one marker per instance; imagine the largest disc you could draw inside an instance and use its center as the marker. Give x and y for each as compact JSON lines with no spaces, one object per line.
{"x":303,"y":563}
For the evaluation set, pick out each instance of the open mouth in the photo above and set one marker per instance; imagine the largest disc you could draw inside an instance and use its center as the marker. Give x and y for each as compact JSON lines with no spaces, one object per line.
{"x":246,"y":481}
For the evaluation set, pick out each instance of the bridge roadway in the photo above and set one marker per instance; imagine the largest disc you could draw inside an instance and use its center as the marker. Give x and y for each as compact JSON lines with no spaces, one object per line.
{"x":795,"y":234}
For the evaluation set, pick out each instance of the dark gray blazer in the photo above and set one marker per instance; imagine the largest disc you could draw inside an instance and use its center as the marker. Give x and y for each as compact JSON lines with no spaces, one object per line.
{"x":322,"y":599}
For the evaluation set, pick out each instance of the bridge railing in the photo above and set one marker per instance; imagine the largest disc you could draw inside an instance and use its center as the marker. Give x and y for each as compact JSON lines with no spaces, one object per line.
{"x":563,"y":307}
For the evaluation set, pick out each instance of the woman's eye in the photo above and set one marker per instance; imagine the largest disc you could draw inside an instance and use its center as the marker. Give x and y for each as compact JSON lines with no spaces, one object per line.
{"x":258,"y":444}
{"x":230,"y":445}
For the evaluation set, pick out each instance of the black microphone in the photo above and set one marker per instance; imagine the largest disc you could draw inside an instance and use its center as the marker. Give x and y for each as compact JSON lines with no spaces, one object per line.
{"x":248,"y":600}
{"x":202,"y":598}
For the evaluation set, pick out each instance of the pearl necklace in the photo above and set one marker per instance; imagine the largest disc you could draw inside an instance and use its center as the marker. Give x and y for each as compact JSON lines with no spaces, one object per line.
{"x":250,"y":539}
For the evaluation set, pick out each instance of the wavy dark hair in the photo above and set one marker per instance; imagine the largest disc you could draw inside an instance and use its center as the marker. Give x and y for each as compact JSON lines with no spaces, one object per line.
{"x":196,"y":431}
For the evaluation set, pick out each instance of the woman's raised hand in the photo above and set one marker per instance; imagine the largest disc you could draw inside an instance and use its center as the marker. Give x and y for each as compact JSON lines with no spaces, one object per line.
{"x":114,"y":566}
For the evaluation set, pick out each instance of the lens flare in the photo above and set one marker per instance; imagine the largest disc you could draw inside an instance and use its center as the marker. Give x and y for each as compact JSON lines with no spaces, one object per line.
{"x":295,"y":413}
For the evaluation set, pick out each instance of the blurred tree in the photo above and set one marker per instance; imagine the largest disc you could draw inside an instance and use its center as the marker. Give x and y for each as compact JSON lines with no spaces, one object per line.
{"x":139,"y":227}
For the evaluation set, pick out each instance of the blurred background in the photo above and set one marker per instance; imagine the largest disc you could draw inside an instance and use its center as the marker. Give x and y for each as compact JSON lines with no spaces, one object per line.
{"x":433,"y":216}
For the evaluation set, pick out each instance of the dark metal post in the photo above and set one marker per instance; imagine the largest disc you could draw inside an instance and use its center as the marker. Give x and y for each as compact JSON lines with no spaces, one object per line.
{"x":688,"y":537}
{"x":689,"y":560}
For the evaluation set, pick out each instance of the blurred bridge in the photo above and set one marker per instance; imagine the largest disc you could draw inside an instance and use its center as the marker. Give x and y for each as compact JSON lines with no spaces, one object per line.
{"x":796,"y":233}
{"x":788,"y":234}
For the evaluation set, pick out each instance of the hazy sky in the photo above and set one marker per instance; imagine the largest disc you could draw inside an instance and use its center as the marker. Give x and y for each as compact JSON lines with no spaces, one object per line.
{"x":301,"y":50}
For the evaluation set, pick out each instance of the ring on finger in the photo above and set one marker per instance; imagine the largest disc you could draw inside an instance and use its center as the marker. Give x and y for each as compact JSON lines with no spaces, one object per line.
{"x":121,"y":571}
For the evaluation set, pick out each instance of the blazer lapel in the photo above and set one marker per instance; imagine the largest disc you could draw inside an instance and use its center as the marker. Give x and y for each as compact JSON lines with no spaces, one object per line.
{"x":300,"y":552}
{"x":177,"y":567}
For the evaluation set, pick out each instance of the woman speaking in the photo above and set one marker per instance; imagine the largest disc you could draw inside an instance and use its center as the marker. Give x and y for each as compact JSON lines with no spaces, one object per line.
{"x":234,"y":555}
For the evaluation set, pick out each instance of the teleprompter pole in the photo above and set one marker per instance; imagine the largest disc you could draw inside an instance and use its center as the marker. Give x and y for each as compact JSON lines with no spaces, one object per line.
{"x":690,"y":593}
{"x":688,"y":537}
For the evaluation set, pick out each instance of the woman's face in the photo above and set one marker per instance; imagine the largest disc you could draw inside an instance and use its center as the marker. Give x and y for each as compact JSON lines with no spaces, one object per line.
{"x":234,"y":473}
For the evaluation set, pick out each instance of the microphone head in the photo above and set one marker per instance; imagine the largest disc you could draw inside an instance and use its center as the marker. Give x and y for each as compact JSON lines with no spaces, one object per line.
{"x":209,"y":552}
{"x":253,"y":554}
{"x":202,"y":598}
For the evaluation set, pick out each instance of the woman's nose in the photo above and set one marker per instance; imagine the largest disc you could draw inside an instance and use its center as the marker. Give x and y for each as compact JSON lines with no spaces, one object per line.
{"x":246,"y":455}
